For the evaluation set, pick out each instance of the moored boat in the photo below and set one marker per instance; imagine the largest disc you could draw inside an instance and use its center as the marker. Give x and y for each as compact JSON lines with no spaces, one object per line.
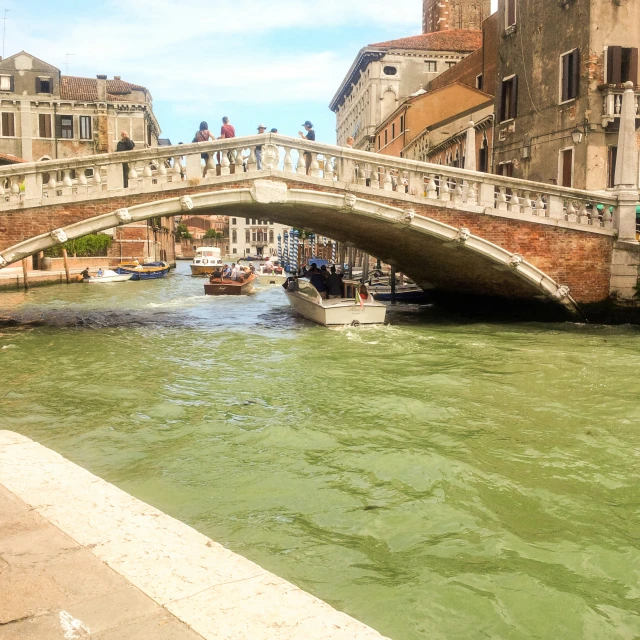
{"x":227,"y":287}
{"x":205,"y":261}
{"x":146,"y":271}
{"x":305,"y":299}
{"x":108,"y":276}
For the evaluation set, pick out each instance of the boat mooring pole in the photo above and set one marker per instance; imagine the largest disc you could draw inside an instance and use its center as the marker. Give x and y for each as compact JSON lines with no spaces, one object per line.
{"x":392,"y":281}
{"x":342,"y":257}
{"x":350,"y":261}
{"x":25,"y":274}
{"x":365,"y":267}
{"x":66,"y":264}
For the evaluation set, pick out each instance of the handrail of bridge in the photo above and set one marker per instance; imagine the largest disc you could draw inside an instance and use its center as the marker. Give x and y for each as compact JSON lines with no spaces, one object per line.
{"x":86,"y":177}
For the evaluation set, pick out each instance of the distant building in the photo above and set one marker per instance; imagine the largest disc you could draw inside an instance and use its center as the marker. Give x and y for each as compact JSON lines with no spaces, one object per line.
{"x":45,"y":116}
{"x":385,"y":74}
{"x":250,"y":237}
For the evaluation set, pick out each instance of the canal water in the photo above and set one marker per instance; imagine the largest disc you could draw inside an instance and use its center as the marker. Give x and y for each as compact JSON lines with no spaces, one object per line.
{"x":434,"y":478}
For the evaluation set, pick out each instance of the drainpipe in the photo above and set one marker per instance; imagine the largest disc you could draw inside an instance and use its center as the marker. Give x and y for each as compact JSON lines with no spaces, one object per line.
{"x":493,"y":140}
{"x":55,"y":129}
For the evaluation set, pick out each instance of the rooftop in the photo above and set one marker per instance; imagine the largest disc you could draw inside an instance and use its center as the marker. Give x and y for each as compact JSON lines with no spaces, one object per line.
{"x":449,"y":40}
{"x":76,"y":88}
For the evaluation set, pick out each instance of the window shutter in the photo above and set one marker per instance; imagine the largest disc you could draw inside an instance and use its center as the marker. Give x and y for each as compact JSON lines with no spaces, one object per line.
{"x":42,"y":126}
{"x":633,"y":66}
{"x":12,"y":86}
{"x":566,"y":66}
{"x":4,"y":124}
{"x":58,"y":126}
{"x":511,"y":12}
{"x":38,"y":85}
{"x":513,"y":112}
{"x":575,"y":61}
{"x":614,"y":65}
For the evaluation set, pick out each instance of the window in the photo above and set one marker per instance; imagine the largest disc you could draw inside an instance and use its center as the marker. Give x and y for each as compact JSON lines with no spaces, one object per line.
{"x":8,"y":124}
{"x":386,"y":136}
{"x":565,"y":170}
{"x":390,"y":71}
{"x":401,"y":124}
{"x":505,"y":169}
{"x":483,"y":157}
{"x":450,"y":64}
{"x":622,"y":65}
{"x":234,"y":237}
{"x":247,"y":236}
{"x":234,"y":250}
{"x":509,"y":99}
{"x":85,"y":127}
{"x":612,"y":156}
{"x":6,"y":83}
{"x":64,"y":126}
{"x":234,"y":221}
{"x":271,"y":236}
{"x":254,"y":237}
{"x":393,"y":131}
{"x":510,"y":13}
{"x":246,"y":220}
{"x":480,"y":82}
{"x":431,"y":66}
{"x":379,"y":145}
{"x":44,"y":125}
{"x":43,"y":85}
{"x":569,"y":75}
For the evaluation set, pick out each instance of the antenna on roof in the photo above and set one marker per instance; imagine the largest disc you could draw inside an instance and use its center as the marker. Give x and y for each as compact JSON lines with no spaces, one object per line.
{"x":4,"y":29}
{"x":66,"y":64}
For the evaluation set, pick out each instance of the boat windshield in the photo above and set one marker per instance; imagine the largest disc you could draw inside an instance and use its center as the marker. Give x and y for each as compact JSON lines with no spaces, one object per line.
{"x":306,"y":288}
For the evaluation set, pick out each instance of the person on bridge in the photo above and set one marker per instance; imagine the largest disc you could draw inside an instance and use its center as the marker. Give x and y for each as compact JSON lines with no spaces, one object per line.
{"x":125,"y":144}
{"x":227,"y":131}
{"x":203,"y":135}
{"x":311,"y":136}
{"x":261,"y":129}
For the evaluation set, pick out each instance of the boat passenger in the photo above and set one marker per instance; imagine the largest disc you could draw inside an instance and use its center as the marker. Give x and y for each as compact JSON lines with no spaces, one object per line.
{"x":334,"y":284}
{"x":364,"y":293}
{"x":85,"y":274}
{"x":226,"y":272}
{"x":319,"y":282}
{"x":100,"y":273}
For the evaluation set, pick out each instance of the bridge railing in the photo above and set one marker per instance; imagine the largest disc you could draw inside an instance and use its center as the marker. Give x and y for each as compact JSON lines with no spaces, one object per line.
{"x":57,"y":181}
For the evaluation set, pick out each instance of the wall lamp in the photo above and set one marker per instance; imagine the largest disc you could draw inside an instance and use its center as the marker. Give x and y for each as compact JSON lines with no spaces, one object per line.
{"x":577,"y":134}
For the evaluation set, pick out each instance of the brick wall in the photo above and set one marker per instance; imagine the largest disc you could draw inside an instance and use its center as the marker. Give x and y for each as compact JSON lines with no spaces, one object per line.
{"x":579,"y":259}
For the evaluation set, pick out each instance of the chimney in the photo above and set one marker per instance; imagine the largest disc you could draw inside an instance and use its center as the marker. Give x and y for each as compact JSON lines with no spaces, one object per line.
{"x":102,"y":88}
{"x":117,"y":78}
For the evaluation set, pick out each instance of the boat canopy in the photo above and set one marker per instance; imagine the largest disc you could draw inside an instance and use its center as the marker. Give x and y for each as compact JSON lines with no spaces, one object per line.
{"x":208,"y":252}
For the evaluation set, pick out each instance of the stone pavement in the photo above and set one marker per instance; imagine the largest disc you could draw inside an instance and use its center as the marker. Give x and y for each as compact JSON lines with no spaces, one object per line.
{"x":53,"y":589}
{"x":79,"y":558}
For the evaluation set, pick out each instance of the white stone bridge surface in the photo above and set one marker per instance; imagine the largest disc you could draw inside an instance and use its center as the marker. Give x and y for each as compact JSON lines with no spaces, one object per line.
{"x":462,"y":231}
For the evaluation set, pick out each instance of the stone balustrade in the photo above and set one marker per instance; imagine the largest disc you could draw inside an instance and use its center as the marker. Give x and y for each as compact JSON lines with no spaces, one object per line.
{"x":77,"y":179}
{"x":612,"y":104}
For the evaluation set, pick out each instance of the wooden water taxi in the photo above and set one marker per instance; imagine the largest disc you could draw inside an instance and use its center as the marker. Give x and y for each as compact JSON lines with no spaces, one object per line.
{"x":227,"y":287}
{"x":206,"y":261}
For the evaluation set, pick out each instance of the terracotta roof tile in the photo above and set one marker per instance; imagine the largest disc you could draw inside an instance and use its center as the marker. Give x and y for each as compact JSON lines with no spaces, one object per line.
{"x":75,"y":88}
{"x":449,"y":40}
{"x":9,"y":158}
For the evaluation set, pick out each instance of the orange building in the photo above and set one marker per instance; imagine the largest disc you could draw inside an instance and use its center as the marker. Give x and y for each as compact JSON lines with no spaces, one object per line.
{"x":422,"y":111}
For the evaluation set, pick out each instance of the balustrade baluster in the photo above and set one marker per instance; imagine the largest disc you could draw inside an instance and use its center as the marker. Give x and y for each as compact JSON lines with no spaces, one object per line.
{"x":360,"y":170}
{"x":52,"y":184}
{"x":162,"y":167}
{"x":501,"y":199}
{"x":583,"y":214}
{"x":432,"y":187}
{"x":472,"y":193}
{"x":607,"y":217}
{"x":146,"y":172}
{"x":177,"y":167}
{"x":445,"y":192}
{"x":2,"y":191}
{"x":301,"y":168}
{"x":457,"y":192}
{"x":82,"y":177}
{"x":374,"y":180}
{"x":571,"y":212}
{"x":594,"y":216}
{"x":66,"y":178}
{"x":15,"y":185}
{"x":527,"y":205}
{"x":133,"y":174}
{"x":314,"y":166}
{"x":328,"y":168}
{"x":514,"y":202}
{"x":239,"y":162}
{"x":387,"y":184}
{"x":225,"y":165}
{"x":288,"y":162}
{"x":540,"y":210}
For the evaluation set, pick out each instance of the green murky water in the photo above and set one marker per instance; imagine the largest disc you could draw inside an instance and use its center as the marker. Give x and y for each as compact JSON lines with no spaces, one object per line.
{"x":431,"y":478}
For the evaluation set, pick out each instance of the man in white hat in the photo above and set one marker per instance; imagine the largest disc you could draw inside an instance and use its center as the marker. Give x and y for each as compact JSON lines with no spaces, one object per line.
{"x":261,"y":129}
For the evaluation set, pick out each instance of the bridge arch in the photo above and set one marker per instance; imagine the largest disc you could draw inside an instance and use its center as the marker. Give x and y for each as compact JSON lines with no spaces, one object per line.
{"x":431,"y":252}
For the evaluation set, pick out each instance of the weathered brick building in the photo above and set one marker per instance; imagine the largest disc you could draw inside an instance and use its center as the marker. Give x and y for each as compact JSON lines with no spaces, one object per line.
{"x":439,"y":15}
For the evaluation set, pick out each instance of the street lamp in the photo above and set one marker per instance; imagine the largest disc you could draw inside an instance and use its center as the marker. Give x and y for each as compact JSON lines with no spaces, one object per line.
{"x":577,"y":134}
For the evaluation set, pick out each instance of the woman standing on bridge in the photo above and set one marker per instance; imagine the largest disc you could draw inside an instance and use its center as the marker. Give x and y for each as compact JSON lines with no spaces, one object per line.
{"x":203,"y":135}
{"x":125,"y":144}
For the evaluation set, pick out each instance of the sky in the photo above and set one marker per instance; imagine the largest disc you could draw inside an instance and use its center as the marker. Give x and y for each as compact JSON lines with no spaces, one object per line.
{"x":271,"y":62}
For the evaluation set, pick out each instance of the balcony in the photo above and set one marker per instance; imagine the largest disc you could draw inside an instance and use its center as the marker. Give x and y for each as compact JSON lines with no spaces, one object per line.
{"x":612,"y":106}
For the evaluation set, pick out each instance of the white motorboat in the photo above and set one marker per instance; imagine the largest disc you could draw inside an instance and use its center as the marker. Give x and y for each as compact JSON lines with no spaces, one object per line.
{"x":205,"y":261}
{"x":268,"y":276}
{"x":109,"y":276}
{"x":305,"y":299}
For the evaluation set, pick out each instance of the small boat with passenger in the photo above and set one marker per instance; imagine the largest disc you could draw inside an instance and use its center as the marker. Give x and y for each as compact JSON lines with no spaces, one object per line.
{"x":106,"y":276}
{"x":358,"y":308}
{"x":270,"y":273}
{"x":146,"y":271}
{"x":205,"y":261}
{"x":240,"y":283}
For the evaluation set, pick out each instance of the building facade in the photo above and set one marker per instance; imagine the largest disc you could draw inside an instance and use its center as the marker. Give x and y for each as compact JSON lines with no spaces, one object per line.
{"x":45,"y":115}
{"x":439,"y":15}
{"x":561,"y":68}
{"x":385,"y":74}
{"x":251,"y":237}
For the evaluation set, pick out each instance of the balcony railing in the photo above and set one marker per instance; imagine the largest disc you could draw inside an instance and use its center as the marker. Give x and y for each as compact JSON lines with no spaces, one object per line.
{"x":612,"y":103}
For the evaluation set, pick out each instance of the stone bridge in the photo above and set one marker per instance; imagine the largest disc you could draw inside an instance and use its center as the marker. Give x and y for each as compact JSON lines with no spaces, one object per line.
{"x":463,"y":232}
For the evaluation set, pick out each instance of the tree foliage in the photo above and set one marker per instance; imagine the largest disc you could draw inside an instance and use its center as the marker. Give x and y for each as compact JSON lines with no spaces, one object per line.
{"x":93,"y":245}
